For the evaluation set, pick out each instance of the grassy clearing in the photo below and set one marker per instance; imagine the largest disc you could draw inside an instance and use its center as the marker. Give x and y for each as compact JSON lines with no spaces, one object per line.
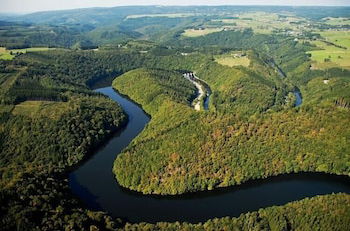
{"x":197,"y":33}
{"x":35,"y":109}
{"x":329,"y":55}
{"x":233,"y":60}
{"x":341,"y":38}
{"x":32,"y":49}
{"x":6,"y":54}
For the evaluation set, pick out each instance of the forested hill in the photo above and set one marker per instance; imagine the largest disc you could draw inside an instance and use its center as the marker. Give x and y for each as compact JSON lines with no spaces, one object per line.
{"x":234,"y":142}
{"x":93,"y":27}
{"x":100,"y":16}
{"x":48,"y":124}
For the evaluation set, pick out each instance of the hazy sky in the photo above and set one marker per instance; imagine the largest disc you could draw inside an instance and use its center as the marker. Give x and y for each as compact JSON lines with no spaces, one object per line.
{"x":41,"y":5}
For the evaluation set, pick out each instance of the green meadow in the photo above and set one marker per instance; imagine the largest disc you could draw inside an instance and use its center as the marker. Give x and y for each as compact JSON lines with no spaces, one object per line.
{"x":329,"y":55}
{"x":10,"y":54}
{"x":233,"y":60}
{"x":200,"y":32}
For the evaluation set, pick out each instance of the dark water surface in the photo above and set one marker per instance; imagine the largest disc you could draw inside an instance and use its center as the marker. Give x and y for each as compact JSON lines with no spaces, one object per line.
{"x":95,"y":184}
{"x":298,"y":98}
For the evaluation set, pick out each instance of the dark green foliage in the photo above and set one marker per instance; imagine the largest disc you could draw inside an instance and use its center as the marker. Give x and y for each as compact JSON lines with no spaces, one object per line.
{"x":43,"y":201}
{"x":18,"y":36}
{"x":39,"y":144}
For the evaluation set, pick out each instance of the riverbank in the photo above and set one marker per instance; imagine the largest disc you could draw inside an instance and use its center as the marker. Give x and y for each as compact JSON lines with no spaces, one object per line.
{"x":202,"y":99}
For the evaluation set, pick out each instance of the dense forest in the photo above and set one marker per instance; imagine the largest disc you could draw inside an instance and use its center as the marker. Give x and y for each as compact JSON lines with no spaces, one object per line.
{"x":47,"y":126}
{"x":229,"y":147}
{"x":51,"y":119}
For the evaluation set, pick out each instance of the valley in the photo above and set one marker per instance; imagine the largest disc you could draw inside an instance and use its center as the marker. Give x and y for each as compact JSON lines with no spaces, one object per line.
{"x":175,"y":118}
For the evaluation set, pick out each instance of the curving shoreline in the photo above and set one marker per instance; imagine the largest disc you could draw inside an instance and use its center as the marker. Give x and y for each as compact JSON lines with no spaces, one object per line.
{"x":95,"y":184}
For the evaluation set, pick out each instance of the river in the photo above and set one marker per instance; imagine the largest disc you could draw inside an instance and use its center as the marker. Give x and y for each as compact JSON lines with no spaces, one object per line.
{"x":94,"y":183}
{"x":298,"y":98}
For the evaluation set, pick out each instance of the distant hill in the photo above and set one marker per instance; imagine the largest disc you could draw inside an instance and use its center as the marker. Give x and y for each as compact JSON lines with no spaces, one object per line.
{"x":103,"y":16}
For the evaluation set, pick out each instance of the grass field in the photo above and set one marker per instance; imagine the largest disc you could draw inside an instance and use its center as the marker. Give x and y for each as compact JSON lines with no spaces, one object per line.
{"x":196,"y":33}
{"x":329,"y":55}
{"x":6,"y":55}
{"x":32,"y":49}
{"x":264,"y":23}
{"x":259,"y":22}
{"x":35,"y":109}
{"x":337,"y":21}
{"x":338,"y":37}
{"x":232,"y":61}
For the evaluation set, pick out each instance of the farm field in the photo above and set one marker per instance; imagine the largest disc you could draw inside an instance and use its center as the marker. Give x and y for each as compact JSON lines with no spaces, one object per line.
{"x":337,"y":21}
{"x":202,"y":32}
{"x":329,"y":55}
{"x":264,"y":23}
{"x":233,"y":60}
{"x":6,"y":54}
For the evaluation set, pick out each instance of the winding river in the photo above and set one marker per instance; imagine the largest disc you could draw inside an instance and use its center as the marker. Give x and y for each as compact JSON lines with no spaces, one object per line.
{"x":95,"y":184}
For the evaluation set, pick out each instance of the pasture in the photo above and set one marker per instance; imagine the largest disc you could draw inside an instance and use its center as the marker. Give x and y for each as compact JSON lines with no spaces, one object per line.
{"x":263,"y":23}
{"x":200,"y":32}
{"x":232,"y":60}
{"x":35,"y":109}
{"x":5,"y":54}
{"x":328,"y":55}
{"x":10,"y":54}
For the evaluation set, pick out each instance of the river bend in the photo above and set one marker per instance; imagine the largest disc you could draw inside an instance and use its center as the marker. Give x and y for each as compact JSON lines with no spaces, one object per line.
{"x":94,"y":183}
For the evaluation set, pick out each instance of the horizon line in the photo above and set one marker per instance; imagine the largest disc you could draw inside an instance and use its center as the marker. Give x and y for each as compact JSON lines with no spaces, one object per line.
{"x":105,"y":7}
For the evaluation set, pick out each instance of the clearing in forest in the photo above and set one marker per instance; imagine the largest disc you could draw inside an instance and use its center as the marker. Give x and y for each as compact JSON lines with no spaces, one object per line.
{"x":35,"y":109}
{"x":233,"y":59}
{"x":200,"y":32}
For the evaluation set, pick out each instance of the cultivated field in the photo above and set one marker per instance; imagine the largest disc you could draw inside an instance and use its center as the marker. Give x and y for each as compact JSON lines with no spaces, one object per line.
{"x":6,"y":54}
{"x":200,"y":32}
{"x":233,"y":60}
{"x":332,"y":55}
{"x":264,"y":23}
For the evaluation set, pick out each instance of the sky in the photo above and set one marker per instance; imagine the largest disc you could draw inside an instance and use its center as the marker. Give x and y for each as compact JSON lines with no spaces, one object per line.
{"x":26,"y":6}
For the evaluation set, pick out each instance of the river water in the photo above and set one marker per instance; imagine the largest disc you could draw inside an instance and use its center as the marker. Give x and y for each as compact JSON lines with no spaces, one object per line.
{"x":95,"y":184}
{"x":298,"y":98}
